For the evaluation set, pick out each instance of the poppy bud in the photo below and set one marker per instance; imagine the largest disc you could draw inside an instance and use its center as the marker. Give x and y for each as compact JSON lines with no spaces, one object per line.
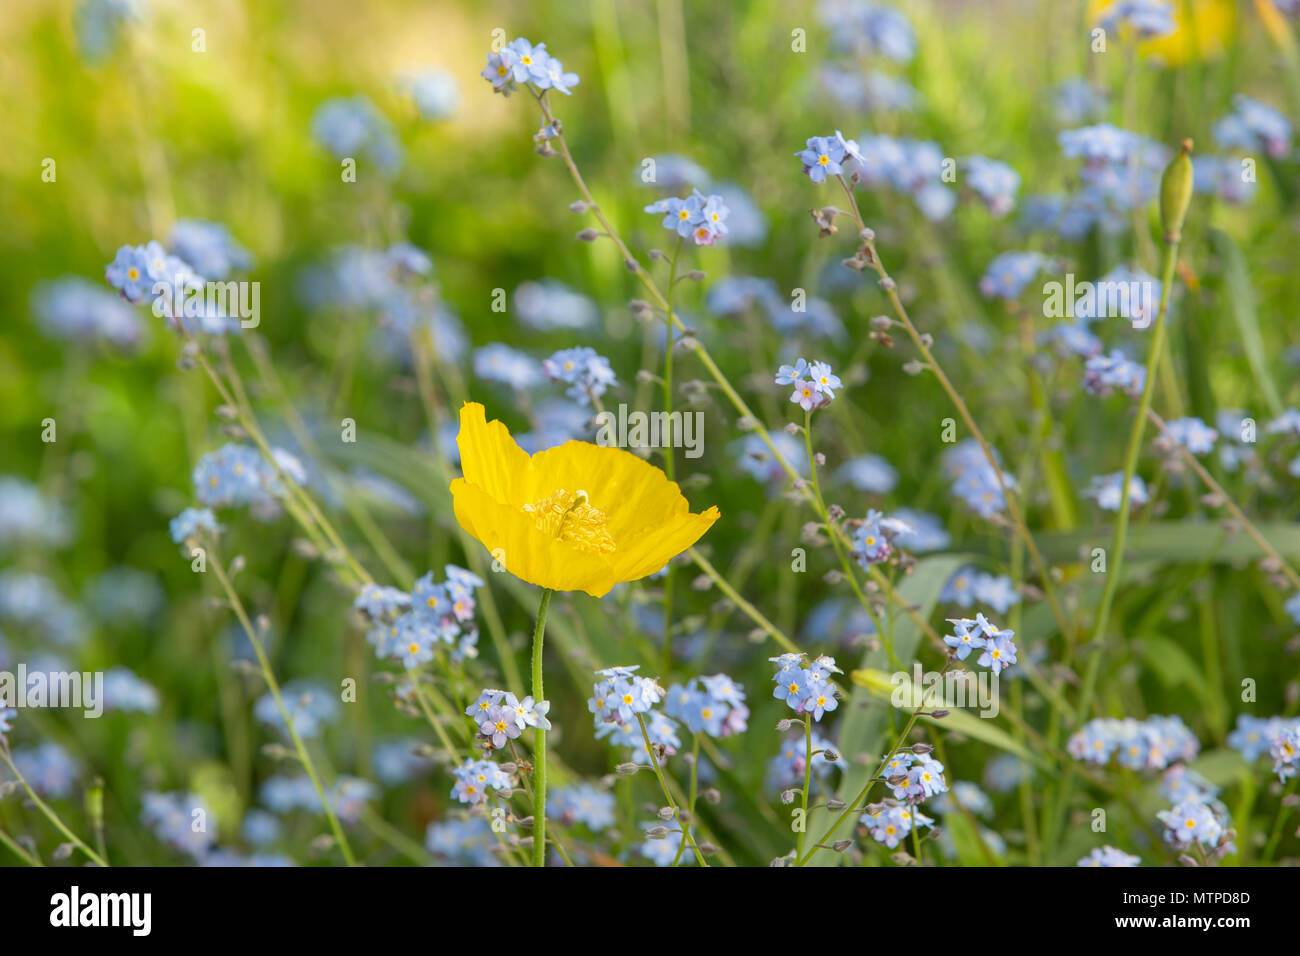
{"x":1176,"y":193}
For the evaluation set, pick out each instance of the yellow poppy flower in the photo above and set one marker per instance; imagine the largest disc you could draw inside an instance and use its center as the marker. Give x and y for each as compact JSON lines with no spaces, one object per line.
{"x":1212,"y":24}
{"x":578,"y":517}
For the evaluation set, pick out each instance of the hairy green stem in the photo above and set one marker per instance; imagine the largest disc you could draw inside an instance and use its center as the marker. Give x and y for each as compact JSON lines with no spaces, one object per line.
{"x":668,"y":794}
{"x":274,"y":686}
{"x":48,"y":811}
{"x":1116,"y":566}
{"x":807,"y":783}
{"x":539,"y":739}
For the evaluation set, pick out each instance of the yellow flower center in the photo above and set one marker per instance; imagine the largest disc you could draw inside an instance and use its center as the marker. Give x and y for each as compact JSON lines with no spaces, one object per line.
{"x":823,"y":160}
{"x":570,"y":517}
{"x":133,"y":273}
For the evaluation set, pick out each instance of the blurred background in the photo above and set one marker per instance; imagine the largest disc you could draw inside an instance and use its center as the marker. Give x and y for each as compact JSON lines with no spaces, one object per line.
{"x":119,"y":126}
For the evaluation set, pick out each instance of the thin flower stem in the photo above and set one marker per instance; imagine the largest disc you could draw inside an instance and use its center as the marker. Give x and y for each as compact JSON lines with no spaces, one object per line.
{"x":701,"y":351}
{"x":28,"y":858}
{"x":1275,"y":834}
{"x":512,"y":851}
{"x":694,"y":791}
{"x":395,"y":838}
{"x":669,"y":458}
{"x":48,"y":811}
{"x":855,"y":805}
{"x":383,"y":547}
{"x":807,"y":783}
{"x":663,"y":785}
{"x":1049,"y":693}
{"x":539,"y":739}
{"x":629,"y":260}
{"x":1130,"y":467}
{"x":312,"y":521}
{"x":916,"y":839}
{"x":745,"y":606}
{"x":552,"y":829}
{"x":836,"y":535}
{"x":414,"y":677}
{"x":244,"y":409}
{"x":422,"y":352}
{"x":244,"y":414}
{"x":1217,"y":489}
{"x":661,"y":300}
{"x":812,"y":460}
{"x":274,"y":686}
{"x":1013,"y":507}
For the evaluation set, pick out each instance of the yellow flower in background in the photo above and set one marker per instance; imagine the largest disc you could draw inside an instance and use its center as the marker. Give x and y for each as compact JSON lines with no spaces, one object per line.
{"x":1204,"y":28}
{"x":578,"y":517}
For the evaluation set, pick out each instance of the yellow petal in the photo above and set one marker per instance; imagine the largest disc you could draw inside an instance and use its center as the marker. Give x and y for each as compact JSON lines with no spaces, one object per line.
{"x":633,"y":493}
{"x":647,"y":554}
{"x":513,"y":539}
{"x":489,"y":457}
{"x":1203,"y":28}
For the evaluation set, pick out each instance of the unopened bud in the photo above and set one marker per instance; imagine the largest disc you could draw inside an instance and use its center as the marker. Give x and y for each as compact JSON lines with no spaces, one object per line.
{"x":1176,"y":193}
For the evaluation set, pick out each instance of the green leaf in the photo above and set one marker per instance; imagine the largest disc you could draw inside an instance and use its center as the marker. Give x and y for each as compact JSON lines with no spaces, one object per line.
{"x":1173,"y":665}
{"x":881,"y":687}
{"x":1169,"y":542}
{"x":1240,"y":299}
